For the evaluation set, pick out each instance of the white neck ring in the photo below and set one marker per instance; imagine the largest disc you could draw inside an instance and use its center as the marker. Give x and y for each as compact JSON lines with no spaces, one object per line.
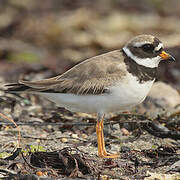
{"x":147,"y":62}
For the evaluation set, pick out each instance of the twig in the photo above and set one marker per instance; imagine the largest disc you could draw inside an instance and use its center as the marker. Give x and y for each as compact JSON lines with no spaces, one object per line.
{"x":11,"y":120}
{"x":8,"y":172}
{"x":14,"y":155}
{"x":25,"y":160}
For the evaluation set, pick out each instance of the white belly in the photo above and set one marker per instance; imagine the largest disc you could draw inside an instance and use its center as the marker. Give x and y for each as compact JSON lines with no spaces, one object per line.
{"x":123,"y":96}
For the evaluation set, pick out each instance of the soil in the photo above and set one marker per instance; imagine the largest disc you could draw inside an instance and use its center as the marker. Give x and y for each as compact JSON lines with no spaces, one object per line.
{"x":40,"y":39}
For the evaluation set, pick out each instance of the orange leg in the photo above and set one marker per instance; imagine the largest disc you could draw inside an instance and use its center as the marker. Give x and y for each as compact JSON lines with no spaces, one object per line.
{"x":100,"y":139}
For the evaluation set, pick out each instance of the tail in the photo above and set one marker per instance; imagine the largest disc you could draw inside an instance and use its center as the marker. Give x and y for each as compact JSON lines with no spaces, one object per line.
{"x":15,"y":88}
{"x":30,"y":86}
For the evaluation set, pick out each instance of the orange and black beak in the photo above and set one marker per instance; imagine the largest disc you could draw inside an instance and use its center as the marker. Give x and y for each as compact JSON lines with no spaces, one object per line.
{"x":165,"y":56}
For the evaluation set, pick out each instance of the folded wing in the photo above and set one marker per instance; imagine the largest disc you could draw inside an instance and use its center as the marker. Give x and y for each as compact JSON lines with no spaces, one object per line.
{"x":92,"y":76}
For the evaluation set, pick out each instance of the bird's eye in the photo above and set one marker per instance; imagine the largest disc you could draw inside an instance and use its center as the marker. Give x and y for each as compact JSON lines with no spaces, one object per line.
{"x":148,"y":48}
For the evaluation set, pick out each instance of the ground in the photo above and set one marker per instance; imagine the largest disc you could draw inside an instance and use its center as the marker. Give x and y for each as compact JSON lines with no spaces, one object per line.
{"x":40,"y":39}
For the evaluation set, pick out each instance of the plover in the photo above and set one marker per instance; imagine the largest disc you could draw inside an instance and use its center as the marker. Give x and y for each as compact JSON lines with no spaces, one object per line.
{"x":111,"y":82}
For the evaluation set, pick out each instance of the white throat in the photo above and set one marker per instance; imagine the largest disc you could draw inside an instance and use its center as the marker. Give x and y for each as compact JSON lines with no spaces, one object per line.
{"x":147,"y":62}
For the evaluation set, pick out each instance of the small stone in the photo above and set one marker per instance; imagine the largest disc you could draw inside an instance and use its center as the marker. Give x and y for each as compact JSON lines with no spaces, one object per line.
{"x":125,"y":132}
{"x":64,"y":140}
{"x":38,"y":140}
{"x":104,"y":177}
{"x":74,"y":136}
{"x":39,"y":173}
{"x":35,"y":109}
{"x":49,"y":126}
{"x":84,"y":136}
{"x":44,"y":136}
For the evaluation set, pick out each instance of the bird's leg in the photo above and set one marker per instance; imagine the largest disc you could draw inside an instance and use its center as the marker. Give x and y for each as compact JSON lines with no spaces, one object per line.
{"x":100,"y":139}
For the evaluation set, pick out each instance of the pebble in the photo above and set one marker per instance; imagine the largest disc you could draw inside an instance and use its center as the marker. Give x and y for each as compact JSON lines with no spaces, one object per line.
{"x":84,"y":136}
{"x":49,"y":126}
{"x":43,"y":135}
{"x":64,"y":140}
{"x":125,"y":132}
{"x":35,"y":109}
{"x":74,"y":136}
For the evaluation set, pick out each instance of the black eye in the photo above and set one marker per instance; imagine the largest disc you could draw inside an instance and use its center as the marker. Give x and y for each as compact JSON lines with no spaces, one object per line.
{"x":160,"y":50}
{"x":148,"y":48}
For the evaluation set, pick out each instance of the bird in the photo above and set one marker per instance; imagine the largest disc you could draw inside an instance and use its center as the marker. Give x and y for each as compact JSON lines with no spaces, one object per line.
{"x":114,"y":81}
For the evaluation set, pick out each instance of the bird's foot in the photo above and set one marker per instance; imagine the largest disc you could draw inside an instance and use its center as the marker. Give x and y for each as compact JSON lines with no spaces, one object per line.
{"x":108,"y":155}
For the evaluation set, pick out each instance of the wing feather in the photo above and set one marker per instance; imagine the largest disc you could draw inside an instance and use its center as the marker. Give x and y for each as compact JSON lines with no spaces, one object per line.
{"x":92,"y":76}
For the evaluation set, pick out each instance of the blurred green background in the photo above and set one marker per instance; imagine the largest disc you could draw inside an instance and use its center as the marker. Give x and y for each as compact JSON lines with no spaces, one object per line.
{"x":46,"y":37}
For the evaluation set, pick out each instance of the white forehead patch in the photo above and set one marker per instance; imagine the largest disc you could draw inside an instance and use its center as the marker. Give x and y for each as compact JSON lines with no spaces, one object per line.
{"x":160,"y":45}
{"x":147,"y":62}
{"x":140,"y":44}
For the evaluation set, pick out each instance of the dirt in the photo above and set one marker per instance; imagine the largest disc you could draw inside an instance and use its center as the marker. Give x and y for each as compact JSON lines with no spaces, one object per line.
{"x":40,"y":39}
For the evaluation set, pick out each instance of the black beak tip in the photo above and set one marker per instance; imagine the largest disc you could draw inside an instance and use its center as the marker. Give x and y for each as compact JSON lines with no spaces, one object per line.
{"x":171,"y":58}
